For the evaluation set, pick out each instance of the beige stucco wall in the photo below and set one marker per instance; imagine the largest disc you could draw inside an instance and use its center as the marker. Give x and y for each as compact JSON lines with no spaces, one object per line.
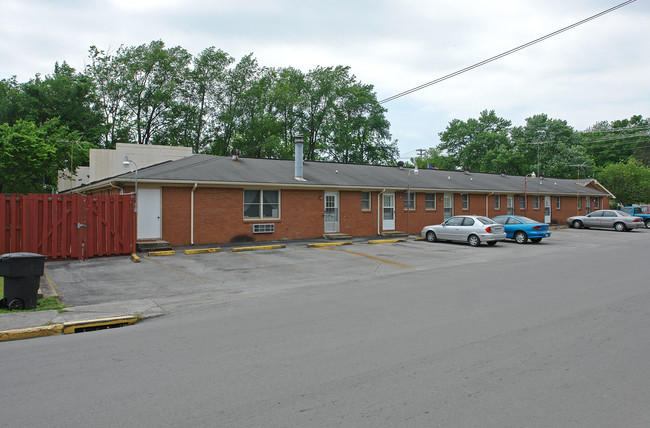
{"x":108,"y":163}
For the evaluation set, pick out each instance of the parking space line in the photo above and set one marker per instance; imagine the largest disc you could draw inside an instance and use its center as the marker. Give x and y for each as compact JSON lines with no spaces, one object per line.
{"x":379,"y":259}
{"x":175,"y":270}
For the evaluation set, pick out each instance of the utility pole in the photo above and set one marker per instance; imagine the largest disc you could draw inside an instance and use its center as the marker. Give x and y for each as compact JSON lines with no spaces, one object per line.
{"x":582,"y":165}
{"x":420,"y":152}
{"x":538,"y":144}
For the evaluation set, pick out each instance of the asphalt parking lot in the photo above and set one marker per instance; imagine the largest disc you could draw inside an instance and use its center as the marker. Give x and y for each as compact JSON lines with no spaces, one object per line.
{"x":180,"y":279}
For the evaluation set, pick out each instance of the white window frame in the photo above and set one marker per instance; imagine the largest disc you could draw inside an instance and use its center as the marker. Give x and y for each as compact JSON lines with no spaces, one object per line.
{"x":428,"y":199}
{"x":536,"y":202}
{"x":261,"y":204}
{"x":497,"y":202}
{"x":596,"y":203}
{"x":369,"y":200}
{"x":465,"y":201}
{"x":411,"y":202}
{"x":557,"y":202}
{"x":522,"y":202}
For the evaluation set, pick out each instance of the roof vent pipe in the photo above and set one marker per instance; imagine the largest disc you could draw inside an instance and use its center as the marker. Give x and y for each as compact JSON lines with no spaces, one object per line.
{"x":298,"y":141}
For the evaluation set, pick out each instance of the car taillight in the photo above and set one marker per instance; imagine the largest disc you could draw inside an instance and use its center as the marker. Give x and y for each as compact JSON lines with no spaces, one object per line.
{"x":636,"y":220}
{"x":488,"y":229}
{"x":537,"y":227}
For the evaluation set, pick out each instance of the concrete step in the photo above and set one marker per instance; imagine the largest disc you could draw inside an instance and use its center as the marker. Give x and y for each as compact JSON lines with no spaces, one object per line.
{"x":336,"y":236}
{"x":158,"y":245}
{"x":394,"y":234}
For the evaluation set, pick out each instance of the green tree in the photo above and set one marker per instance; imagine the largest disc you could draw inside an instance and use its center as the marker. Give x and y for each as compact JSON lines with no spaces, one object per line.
{"x":190,"y":121}
{"x":360,"y":131}
{"x":629,"y":181}
{"x":66,"y":95}
{"x":31,"y":155}
{"x":616,"y":141}
{"x":323,"y":88}
{"x":476,"y":143}
{"x":548,"y":147}
{"x":435,"y":158}
{"x":136,"y":89}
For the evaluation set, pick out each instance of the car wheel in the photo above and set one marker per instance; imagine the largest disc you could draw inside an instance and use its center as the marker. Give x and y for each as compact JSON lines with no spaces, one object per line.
{"x":521,"y":237}
{"x":577,"y":224}
{"x":492,"y":243}
{"x":473,"y":240}
{"x":620,"y":227}
{"x":647,"y":223}
{"x":535,"y":240}
{"x":431,"y":236}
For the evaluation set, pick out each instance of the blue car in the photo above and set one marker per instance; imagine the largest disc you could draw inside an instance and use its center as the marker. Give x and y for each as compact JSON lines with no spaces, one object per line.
{"x":521,"y":229}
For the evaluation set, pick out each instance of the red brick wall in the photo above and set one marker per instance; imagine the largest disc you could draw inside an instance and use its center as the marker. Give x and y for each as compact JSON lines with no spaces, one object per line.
{"x":218,"y":214}
{"x":176,"y":214}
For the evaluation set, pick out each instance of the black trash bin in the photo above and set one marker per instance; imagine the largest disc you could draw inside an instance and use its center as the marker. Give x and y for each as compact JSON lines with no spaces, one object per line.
{"x":21,"y":274}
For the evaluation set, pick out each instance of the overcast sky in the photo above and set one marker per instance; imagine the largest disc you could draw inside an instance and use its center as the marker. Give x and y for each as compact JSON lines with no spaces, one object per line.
{"x":599,"y":71}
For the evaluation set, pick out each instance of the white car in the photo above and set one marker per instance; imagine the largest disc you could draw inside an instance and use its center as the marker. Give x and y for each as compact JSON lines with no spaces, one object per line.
{"x":472,"y":229}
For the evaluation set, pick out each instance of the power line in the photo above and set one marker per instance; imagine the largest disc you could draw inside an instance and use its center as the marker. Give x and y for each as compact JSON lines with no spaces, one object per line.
{"x":501,"y":55}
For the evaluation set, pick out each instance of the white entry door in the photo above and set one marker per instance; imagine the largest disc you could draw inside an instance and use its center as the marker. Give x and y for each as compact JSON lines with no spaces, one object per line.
{"x":149,"y":208}
{"x":449,"y":205}
{"x":547,"y":209}
{"x":389,"y":211}
{"x":331,"y":212}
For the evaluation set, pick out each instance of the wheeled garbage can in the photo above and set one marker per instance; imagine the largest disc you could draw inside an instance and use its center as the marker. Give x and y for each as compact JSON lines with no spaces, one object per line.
{"x":20,"y":275}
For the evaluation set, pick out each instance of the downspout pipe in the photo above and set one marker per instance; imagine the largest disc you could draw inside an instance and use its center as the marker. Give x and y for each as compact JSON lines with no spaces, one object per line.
{"x":379,"y":211}
{"x":486,"y":204}
{"x":192,"y":214}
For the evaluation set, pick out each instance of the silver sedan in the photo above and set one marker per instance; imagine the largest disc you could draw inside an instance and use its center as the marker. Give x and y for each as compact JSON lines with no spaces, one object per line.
{"x":466,"y":228}
{"x":616,"y":219}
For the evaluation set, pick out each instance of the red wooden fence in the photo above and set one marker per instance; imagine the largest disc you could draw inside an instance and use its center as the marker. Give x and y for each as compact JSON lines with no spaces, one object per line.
{"x":67,"y":226}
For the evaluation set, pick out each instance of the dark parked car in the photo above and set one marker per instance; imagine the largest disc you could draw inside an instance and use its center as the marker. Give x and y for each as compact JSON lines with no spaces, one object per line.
{"x":521,"y":228}
{"x":619,"y":220}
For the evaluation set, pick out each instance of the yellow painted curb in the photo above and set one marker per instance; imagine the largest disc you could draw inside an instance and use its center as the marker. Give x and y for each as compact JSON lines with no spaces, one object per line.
{"x":28,"y":333}
{"x":73,"y":326}
{"x":203,"y":251}
{"x":328,"y":244}
{"x":386,"y":241}
{"x":259,"y":247}
{"x":135,"y":258}
{"x":420,"y":239}
{"x":161,"y":253}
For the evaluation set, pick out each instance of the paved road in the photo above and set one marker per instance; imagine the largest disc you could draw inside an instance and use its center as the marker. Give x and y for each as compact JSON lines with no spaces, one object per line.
{"x":408,"y":335}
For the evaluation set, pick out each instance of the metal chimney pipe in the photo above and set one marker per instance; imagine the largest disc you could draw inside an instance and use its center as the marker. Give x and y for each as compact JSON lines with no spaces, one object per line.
{"x":298,"y":141}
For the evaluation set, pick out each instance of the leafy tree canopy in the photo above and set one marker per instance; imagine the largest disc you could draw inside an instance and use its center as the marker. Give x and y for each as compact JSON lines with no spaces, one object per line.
{"x":629,"y":180}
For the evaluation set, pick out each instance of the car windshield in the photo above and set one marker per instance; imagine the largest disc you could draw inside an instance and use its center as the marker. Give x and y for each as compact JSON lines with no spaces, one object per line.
{"x":645,"y":209}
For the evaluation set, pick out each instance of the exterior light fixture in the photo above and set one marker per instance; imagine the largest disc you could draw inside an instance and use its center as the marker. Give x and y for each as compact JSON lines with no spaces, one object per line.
{"x":126,"y":162}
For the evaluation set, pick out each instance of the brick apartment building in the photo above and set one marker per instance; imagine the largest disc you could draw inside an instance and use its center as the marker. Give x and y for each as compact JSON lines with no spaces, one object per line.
{"x":203,"y":199}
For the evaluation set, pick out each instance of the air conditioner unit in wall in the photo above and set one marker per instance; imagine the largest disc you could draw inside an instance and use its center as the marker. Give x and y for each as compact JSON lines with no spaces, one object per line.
{"x":264,"y":228}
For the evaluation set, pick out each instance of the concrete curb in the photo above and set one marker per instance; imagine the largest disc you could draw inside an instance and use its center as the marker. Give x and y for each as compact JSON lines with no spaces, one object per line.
{"x":67,"y":328}
{"x":328,"y":244}
{"x":161,"y":253}
{"x":203,"y":251}
{"x":386,"y":241}
{"x":28,"y":333}
{"x":259,"y":247}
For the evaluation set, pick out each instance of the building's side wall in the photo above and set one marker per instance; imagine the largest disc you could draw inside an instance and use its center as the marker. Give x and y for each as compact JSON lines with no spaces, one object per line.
{"x":219,"y":213}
